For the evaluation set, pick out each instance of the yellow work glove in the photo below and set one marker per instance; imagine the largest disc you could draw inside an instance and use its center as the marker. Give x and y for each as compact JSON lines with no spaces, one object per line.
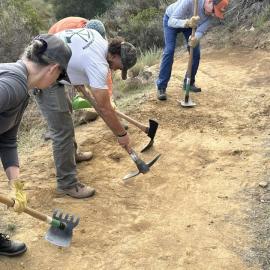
{"x":19,"y":196}
{"x":193,"y":42}
{"x":192,"y":22}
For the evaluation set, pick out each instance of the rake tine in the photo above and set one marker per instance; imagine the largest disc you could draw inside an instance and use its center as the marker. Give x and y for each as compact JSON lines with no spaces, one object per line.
{"x":76,"y":222}
{"x":60,"y":215}
{"x":55,"y":213}
{"x":72,"y":219}
{"x":66,"y":217}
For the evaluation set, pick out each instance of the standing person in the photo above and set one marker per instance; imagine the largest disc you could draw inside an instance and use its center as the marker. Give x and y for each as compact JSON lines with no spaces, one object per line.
{"x":43,"y":62}
{"x":92,"y":57}
{"x":179,"y":18}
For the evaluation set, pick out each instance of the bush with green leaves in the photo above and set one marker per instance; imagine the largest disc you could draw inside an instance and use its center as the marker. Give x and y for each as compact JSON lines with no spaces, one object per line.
{"x":19,"y":22}
{"x":81,"y":8}
{"x":144,"y":29}
{"x":139,"y":22}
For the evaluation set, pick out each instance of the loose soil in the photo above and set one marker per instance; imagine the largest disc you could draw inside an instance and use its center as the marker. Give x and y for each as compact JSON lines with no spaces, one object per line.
{"x":198,"y":208}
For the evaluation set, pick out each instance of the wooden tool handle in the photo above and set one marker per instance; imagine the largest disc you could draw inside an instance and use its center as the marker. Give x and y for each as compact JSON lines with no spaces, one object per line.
{"x":195,"y":13}
{"x":10,"y":203}
{"x":132,"y":121}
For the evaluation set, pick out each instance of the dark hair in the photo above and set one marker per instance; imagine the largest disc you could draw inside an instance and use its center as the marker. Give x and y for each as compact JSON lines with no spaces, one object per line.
{"x":115,"y":45}
{"x":34,"y":52}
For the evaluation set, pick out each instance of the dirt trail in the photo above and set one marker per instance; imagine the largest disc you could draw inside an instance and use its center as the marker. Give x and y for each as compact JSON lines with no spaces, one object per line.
{"x":189,"y":212}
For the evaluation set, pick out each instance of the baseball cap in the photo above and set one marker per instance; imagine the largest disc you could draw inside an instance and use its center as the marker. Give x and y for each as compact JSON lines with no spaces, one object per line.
{"x":56,"y":50}
{"x":128,"y":57}
{"x":219,"y":8}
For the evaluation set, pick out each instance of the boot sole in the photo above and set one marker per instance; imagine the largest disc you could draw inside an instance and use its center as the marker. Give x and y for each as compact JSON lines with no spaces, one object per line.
{"x":83,"y":160}
{"x":162,"y":98}
{"x":62,"y":193}
{"x":14,"y":253}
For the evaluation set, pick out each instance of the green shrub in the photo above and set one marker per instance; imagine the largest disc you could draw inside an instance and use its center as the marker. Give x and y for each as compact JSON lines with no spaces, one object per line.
{"x":148,"y":58}
{"x":19,"y":23}
{"x":139,"y":22}
{"x":262,"y":18}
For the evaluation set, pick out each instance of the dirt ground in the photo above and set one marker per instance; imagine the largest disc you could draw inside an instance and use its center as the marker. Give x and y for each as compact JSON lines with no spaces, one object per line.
{"x":193,"y":210}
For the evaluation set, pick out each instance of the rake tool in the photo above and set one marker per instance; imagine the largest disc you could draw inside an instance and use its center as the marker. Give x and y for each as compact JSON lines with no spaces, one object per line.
{"x":187,"y":102}
{"x":61,"y":230}
{"x":141,"y":165}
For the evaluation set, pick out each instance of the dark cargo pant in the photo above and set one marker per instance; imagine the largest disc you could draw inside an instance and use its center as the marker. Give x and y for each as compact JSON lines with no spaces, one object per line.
{"x":54,"y":106}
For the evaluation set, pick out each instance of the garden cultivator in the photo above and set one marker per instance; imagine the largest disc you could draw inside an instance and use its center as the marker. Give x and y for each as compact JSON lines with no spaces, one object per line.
{"x":61,"y":230}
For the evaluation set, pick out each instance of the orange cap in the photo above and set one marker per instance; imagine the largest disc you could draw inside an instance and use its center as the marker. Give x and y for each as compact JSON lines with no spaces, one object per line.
{"x":220,"y":8}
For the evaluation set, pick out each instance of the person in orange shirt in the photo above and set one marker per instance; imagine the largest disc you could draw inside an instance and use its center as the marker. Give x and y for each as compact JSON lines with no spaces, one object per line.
{"x":68,"y":23}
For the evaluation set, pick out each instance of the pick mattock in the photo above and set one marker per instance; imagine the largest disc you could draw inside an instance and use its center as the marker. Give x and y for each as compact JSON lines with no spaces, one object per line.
{"x":141,"y":165}
{"x":187,"y":102}
{"x":61,"y":230}
{"x":150,"y":131}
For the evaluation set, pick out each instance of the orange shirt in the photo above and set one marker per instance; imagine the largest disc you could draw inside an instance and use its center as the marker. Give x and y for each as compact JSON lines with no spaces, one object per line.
{"x":68,"y":23}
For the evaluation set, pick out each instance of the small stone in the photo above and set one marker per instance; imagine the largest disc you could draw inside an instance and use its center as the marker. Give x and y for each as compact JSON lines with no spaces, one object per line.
{"x":115,"y":156}
{"x":265,"y":198}
{"x":263,"y":184}
{"x":84,"y":116}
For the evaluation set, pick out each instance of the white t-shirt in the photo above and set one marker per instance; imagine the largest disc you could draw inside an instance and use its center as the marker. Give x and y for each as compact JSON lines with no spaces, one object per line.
{"x":88,"y":64}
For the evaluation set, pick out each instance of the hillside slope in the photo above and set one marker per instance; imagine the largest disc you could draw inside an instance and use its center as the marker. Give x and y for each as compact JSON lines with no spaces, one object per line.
{"x":193,"y":210}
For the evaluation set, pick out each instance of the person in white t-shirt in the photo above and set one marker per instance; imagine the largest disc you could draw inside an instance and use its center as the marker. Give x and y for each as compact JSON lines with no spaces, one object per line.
{"x":92,"y":57}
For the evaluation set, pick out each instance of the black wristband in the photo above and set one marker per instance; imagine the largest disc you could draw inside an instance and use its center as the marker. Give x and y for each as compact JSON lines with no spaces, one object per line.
{"x":123,"y":135}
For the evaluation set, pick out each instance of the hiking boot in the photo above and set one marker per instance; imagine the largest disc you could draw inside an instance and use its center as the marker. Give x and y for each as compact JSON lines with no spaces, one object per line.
{"x":83,"y":156}
{"x":47,"y":135}
{"x":78,"y":191}
{"x":161,"y":94}
{"x":192,"y":88}
{"x":9,"y":247}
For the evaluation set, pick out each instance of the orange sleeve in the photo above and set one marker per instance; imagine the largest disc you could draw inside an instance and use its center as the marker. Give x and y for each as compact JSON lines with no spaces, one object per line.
{"x":68,"y":23}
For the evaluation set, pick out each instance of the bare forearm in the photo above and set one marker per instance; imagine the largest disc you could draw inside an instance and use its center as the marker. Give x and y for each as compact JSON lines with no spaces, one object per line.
{"x":110,"y":118}
{"x":12,"y":172}
{"x":103,"y":106}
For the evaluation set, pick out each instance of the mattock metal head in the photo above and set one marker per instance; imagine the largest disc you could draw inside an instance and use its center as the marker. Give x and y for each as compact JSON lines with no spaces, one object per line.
{"x":141,"y":165}
{"x":61,"y":231}
{"x":151,"y":132}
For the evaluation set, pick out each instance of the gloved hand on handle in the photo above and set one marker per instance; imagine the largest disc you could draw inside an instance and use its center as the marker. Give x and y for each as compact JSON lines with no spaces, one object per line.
{"x":192,"y":22}
{"x":18,"y":195}
{"x":193,"y":42}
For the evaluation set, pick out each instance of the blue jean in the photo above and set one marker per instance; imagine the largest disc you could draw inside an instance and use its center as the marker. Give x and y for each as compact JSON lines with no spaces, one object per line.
{"x":170,"y":35}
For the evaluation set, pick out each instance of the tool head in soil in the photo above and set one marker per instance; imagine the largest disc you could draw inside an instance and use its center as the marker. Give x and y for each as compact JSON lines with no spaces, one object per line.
{"x":61,"y":230}
{"x":141,"y":165}
{"x":151,"y":132}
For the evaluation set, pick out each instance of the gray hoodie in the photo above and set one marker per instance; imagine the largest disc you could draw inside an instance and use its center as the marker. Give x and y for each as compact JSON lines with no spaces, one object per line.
{"x":182,"y":10}
{"x":14,"y":99}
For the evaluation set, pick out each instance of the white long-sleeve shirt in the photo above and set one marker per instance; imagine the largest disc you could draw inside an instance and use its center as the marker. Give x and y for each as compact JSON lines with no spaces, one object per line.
{"x":182,"y":10}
